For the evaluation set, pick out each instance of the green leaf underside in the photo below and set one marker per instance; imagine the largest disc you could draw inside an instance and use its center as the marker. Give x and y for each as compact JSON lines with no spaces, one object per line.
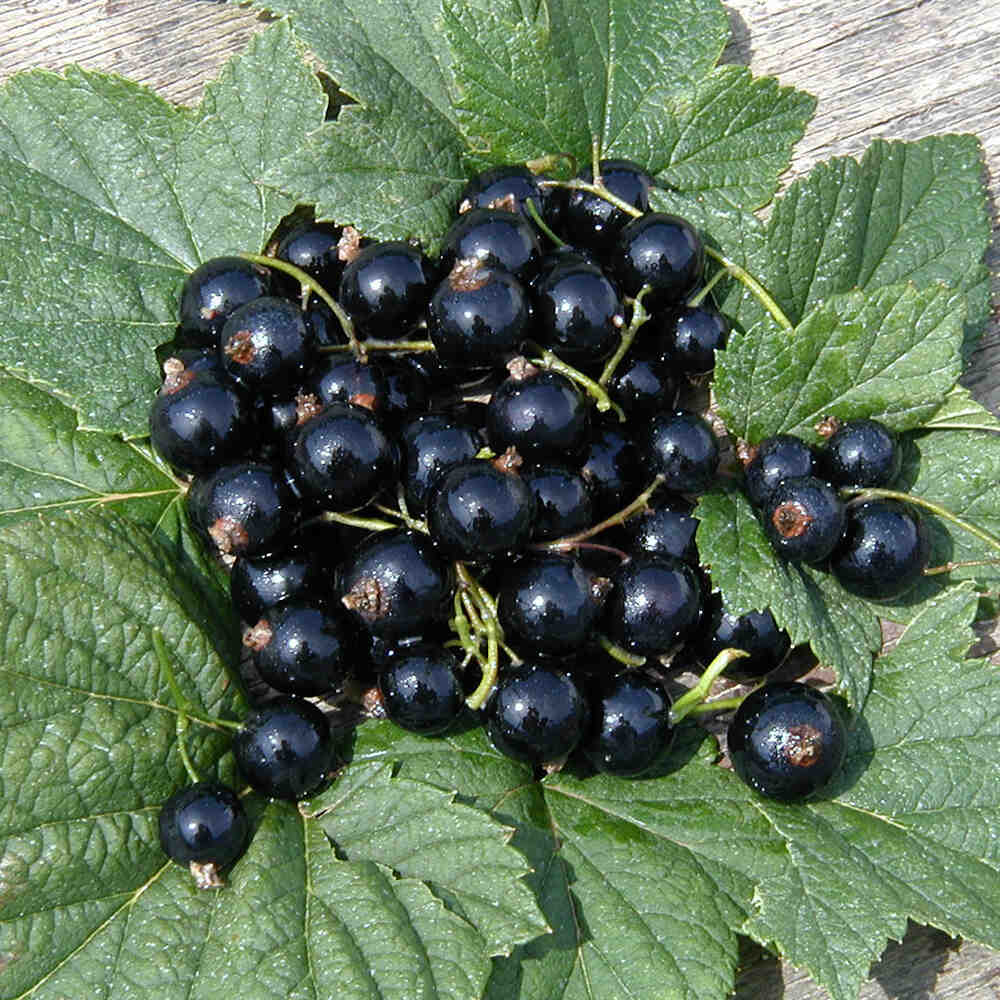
{"x":47,"y":464}
{"x":890,"y":354}
{"x":843,"y":630}
{"x":418,"y":831}
{"x":88,"y":723}
{"x":120,"y":194}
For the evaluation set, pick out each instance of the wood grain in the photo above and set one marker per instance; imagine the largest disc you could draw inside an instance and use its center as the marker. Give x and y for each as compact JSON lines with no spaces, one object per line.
{"x":880,"y":68}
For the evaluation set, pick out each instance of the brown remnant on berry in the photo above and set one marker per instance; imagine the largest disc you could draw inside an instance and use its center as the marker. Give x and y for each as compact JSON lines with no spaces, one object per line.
{"x":307,"y":406}
{"x":466,"y":205}
{"x":349,"y":244}
{"x":468,"y":275}
{"x":508,"y":203}
{"x":746,"y":452}
{"x":205,"y":875}
{"x":175,"y":376}
{"x":791,"y":519}
{"x":803,"y":746}
{"x":509,"y":462}
{"x":258,"y":636}
{"x":367,"y":599}
{"x":600,"y":587}
{"x":373,"y":703}
{"x":229,"y":535}
{"x":240,"y":347}
{"x":521,"y":368}
{"x":365,"y":399}
{"x":827,"y":427}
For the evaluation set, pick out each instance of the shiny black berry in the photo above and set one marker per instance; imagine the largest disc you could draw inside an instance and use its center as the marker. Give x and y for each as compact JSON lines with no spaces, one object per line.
{"x":630,"y":728}
{"x":303,"y":647}
{"x":787,"y":741}
{"x":243,"y":509}
{"x":683,"y":448}
{"x":884,"y":551}
{"x":688,"y":337}
{"x":656,"y":604}
{"x":578,"y":312}
{"x":550,"y":604}
{"x":505,"y":187}
{"x":342,"y":457}
{"x":477,"y":511}
{"x":477,"y":315}
{"x":539,"y":412}
{"x":421,"y":690}
{"x":665,"y":529}
{"x":755,"y":633}
{"x":612,"y":468}
{"x":803,"y":519}
{"x":395,"y":584}
{"x":563,"y":502}
{"x":314,"y":247}
{"x":199,"y":422}
{"x":662,"y":251}
{"x":204,"y":823}
{"x":861,"y":453}
{"x":386,"y":287}
{"x":266,"y":345}
{"x":431,"y":445}
{"x":348,"y":380}
{"x":587,"y":220}
{"x":284,"y":750}
{"x":214,"y":290}
{"x":257,"y":583}
{"x":495,"y":238}
{"x":536,"y":715}
{"x":783,"y":456}
{"x":644,"y":385}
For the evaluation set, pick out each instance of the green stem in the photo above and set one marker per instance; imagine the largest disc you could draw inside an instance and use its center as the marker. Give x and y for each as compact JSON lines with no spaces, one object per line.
{"x":568,"y":542}
{"x":413,"y":523}
{"x":689,"y":701}
{"x":184,"y":705}
{"x":874,"y":494}
{"x":598,"y":189}
{"x":759,"y":291}
{"x":717,"y":705}
{"x":639,"y":316}
{"x":619,"y":654}
{"x":307,"y":281}
{"x":948,"y":567}
{"x":597,"y":392}
{"x":182,"y":725}
{"x":542,"y":225}
{"x":402,"y":346}
{"x":700,"y":296}
{"x":486,"y":613}
{"x":367,"y":523}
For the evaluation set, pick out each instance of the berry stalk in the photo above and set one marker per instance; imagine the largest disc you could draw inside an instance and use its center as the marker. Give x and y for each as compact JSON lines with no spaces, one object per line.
{"x":693,"y":699}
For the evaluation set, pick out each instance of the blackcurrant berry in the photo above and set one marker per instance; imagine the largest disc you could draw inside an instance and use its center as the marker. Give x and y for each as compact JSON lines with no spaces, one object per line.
{"x":755,"y":633}
{"x":266,"y":345}
{"x":783,"y":456}
{"x":284,"y":750}
{"x":395,"y":584}
{"x":504,"y":187}
{"x":884,"y":550}
{"x":643,"y":386}
{"x":611,"y":467}
{"x":431,"y":445}
{"x":314,"y":247}
{"x":662,"y":251}
{"x":261,"y":582}
{"x":303,"y":647}
{"x":494,"y":238}
{"x":242,"y":509}
{"x":477,"y":511}
{"x":688,"y":337}
{"x":683,"y":448}
{"x":420,"y":688}
{"x":590,"y":221}
{"x":204,"y":824}
{"x":630,"y":728}
{"x":803,"y":519}
{"x":787,"y":741}
{"x":536,"y":714}
{"x":550,"y":604}
{"x":214,"y":290}
{"x":198,"y":422}
{"x":563,"y":503}
{"x":656,"y":604}
{"x":664,"y":530}
{"x":861,"y":453}
{"x":347,"y":380}
{"x":386,"y":287}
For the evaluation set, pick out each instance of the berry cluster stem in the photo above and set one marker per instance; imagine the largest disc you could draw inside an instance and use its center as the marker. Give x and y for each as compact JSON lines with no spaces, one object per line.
{"x":693,"y":699}
{"x":311,"y":285}
{"x":593,"y":389}
{"x":759,"y":292}
{"x":639,"y":316}
{"x":619,"y":654}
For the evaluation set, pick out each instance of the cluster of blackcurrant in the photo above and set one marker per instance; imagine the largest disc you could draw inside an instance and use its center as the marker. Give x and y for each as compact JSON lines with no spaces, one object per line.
{"x":876,"y":546}
{"x":463,"y":483}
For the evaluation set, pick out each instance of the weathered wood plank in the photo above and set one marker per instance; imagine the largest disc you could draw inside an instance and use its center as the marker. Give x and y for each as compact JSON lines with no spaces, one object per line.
{"x":889,"y":68}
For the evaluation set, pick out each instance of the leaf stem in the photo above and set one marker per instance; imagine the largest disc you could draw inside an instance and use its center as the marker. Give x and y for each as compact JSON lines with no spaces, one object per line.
{"x":700,"y":296}
{"x":688,"y":702}
{"x":569,"y":542}
{"x":759,"y":291}
{"x":968,"y":564}
{"x":860,"y":495}
{"x":181,"y":728}
{"x":308,"y":282}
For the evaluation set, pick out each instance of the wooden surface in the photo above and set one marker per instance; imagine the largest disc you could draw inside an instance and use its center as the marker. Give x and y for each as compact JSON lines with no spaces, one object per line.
{"x":880,"y":68}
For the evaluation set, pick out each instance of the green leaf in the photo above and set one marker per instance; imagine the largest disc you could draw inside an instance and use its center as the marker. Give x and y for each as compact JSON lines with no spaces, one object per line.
{"x":120,"y":194}
{"x":914,"y":830}
{"x":421,"y":832}
{"x":48,"y":464}
{"x":843,"y":630}
{"x":889,"y":354}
